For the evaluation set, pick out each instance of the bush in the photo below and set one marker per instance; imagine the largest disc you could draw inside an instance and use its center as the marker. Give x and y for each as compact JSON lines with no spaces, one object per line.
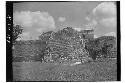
{"x":104,"y":45}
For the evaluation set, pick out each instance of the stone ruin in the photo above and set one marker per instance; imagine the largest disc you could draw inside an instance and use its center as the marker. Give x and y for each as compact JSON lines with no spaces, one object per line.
{"x":67,"y":45}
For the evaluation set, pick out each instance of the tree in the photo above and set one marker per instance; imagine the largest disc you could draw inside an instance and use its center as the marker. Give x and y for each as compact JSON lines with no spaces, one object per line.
{"x":92,"y":48}
{"x":106,"y":43}
{"x":17,"y":30}
{"x":101,"y":46}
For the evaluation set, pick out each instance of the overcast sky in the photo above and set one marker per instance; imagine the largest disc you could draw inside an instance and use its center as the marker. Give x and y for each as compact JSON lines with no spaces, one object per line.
{"x":39,"y":17}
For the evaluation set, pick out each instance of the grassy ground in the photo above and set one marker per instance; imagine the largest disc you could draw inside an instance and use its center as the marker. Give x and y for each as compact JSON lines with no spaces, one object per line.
{"x":37,"y":71}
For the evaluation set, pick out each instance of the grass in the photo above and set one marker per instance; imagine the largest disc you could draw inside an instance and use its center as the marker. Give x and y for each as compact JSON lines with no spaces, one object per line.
{"x":37,"y":71}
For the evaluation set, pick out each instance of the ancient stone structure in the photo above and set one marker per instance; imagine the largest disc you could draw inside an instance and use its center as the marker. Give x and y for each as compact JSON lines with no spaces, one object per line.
{"x":87,"y":34}
{"x":66,"y":45}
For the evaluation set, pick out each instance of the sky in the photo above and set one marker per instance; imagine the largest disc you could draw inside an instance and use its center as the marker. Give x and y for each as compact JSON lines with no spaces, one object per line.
{"x":39,"y":17}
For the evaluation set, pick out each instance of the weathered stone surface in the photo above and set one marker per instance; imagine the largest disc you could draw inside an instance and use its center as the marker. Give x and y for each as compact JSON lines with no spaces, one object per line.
{"x":66,"y":45}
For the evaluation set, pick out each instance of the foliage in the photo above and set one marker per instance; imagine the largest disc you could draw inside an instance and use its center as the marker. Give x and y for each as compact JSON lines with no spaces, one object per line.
{"x":101,"y":46}
{"x":17,"y":30}
{"x":46,"y":36}
{"x":92,"y":48}
{"x":108,"y":45}
{"x":31,"y":50}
